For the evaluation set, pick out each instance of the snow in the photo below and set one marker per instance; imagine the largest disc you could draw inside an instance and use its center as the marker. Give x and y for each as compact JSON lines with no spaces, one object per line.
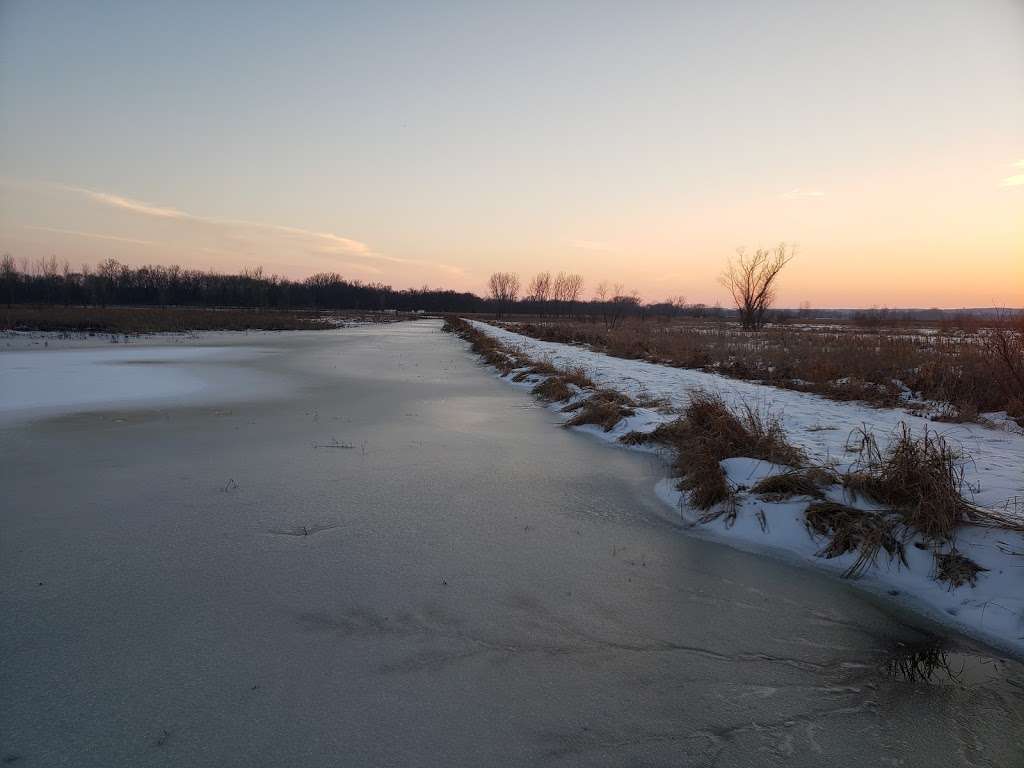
{"x":54,"y":381}
{"x":992,"y":610}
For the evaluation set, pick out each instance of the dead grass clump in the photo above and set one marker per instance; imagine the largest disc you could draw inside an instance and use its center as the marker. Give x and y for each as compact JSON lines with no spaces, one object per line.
{"x":920,"y":477}
{"x":849,"y":529}
{"x":709,"y":432}
{"x":787,"y":484}
{"x":957,"y":569}
{"x":543,"y":368}
{"x":553,"y":389}
{"x":578,"y":377}
{"x":605,"y":408}
{"x":636,"y":438}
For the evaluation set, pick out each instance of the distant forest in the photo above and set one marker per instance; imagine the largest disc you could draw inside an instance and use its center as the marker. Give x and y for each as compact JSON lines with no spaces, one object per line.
{"x":111,"y":283}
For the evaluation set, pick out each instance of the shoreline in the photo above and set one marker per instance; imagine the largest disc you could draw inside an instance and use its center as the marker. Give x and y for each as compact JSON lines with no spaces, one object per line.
{"x":991,"y":612}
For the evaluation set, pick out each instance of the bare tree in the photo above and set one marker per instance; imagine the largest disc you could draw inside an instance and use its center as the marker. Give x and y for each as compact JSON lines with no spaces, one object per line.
{"x":8,"y":276}
{"x":1004,"y":346}
{"x":504,"y":289}
{"x":540,"y":289}
{"x":751,"y":282}
{"x":621,"y":305}
{"x":573,"y":287}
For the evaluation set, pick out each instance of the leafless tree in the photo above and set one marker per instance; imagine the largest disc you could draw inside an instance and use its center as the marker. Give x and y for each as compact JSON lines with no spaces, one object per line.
{"x":566,"y":289}
{"x":504,"y":289}
{"x":540,"y":290}
{"x":1004,"y":346}
{"x":621,"y":305}
{"x":750,"y":280}
{"x":8,"y":276}
{"x":540,"y":287}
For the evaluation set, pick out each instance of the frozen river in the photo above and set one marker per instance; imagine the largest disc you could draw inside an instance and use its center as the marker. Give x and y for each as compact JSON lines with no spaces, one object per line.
{"x":355,"y":547}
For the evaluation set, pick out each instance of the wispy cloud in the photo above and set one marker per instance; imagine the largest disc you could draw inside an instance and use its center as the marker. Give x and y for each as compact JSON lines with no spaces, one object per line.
{"x":798,"y":192}
{"x":1016,"y":180}
{"x":127,"y":204}
{"x":247,"y":234}
{"x":93,"y":235}
{"x":328,"y":240}
{"x":591,"y":245}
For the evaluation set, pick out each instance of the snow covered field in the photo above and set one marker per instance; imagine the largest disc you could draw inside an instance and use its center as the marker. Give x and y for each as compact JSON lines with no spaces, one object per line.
{"x":993,"y":609}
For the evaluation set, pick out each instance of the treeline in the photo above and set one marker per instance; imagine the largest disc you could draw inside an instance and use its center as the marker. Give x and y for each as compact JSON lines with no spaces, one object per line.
{"x":45,"y":281}
{"x":111,"y":283}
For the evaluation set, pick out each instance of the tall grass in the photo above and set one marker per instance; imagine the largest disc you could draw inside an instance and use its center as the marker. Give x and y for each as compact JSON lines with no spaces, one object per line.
{"x":964,"y":369}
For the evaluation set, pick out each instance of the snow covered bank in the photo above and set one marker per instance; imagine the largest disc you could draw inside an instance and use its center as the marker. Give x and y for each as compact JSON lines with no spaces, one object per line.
{"x":993,"y":609}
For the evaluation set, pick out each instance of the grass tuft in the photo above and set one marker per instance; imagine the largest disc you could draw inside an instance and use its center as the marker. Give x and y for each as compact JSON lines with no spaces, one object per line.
{"x":920,"y":477}
{"x":605,"y":408}
{"x":709,"y":432}
{"x":553,"y":389}
{"x":800,"y":482}
{"x":849,"y":529}
{"x":956,"y":568}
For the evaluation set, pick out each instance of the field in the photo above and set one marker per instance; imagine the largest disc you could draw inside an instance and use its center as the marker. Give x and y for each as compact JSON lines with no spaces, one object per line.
{"x":949,"y":372}
{"x":132,"y":320}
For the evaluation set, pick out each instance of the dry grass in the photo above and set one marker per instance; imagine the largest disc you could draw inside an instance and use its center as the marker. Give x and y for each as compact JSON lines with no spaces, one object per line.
{"x":972,"y":370}
{"x":956,"y":568}
{"x":920,"y":477}
{"x":605,"y":408}
{"x":800,"y":482}
{"x":709,"y":432}
{"x":553,"y":389}
{"x":132,"y":320}
{"x":849,"y":529}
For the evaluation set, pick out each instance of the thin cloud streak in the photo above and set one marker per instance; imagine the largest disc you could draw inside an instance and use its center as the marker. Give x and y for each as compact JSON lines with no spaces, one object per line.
{"x":127,"y":204}
{"x":325,"y":243}
{"x":1017,"y":180}
{"x":94,"y":235}
{"x":341,"y":244}
{"x":797,"y":192}
{"x":591,"y":245}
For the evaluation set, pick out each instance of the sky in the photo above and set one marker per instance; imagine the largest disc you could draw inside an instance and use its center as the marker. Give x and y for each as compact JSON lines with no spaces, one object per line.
{"x":418,"y":143}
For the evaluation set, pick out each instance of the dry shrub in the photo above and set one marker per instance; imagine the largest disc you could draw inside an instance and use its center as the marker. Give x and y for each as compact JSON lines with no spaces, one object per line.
{"x":956,"y":568}
{"x":849,"y":529}
{"x":552,"y":389}
{"x":605,"y":408}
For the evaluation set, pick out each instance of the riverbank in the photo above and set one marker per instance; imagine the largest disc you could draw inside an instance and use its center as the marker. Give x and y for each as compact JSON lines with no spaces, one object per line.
{"x":989,"y":604}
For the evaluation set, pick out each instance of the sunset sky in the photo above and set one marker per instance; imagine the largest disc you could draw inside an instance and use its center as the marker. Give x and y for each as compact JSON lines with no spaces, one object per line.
{"x":637,"y":142}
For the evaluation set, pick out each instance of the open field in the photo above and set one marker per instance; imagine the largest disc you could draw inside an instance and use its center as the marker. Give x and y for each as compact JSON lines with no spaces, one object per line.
{"x":132,"y":320}
{"x":951,"y":372}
